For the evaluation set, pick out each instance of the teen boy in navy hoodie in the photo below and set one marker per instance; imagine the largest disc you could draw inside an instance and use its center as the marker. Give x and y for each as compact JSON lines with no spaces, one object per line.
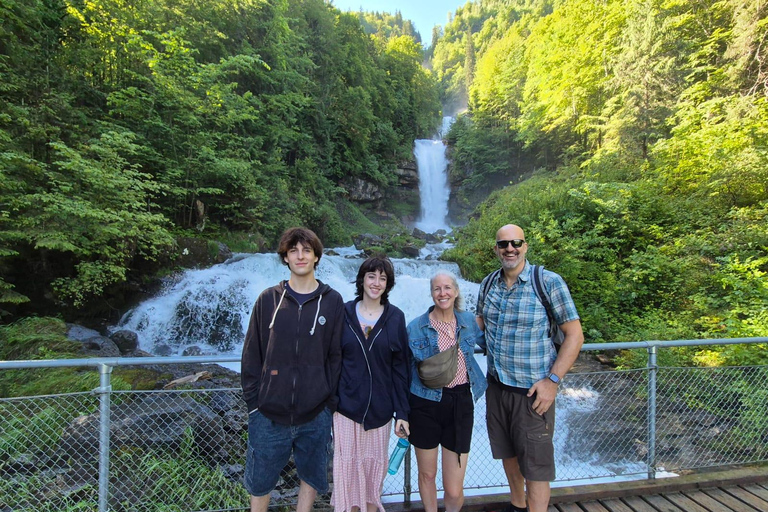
{"x":290,"y":371}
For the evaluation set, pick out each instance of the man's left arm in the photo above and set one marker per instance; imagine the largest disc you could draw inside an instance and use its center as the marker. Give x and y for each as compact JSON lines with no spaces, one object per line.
{"x":546,"y":389}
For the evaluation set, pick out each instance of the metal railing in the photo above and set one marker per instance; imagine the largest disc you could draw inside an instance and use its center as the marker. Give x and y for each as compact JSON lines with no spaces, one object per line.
{"x":183,"y":449}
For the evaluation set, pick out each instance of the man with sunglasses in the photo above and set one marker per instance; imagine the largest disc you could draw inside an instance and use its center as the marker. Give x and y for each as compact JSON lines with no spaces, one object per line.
{"x":524,"y":368}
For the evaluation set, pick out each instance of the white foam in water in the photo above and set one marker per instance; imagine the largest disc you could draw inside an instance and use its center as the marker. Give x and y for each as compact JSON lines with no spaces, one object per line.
{"x":348,"y":252}
{"x":210,"y":308}
{"x":433,"y":251}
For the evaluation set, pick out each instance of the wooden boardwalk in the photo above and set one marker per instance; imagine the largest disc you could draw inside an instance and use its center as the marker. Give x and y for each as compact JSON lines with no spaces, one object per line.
{"x":743,"y":489}
{"x":737,"y":498}
{"x":738,"y":490}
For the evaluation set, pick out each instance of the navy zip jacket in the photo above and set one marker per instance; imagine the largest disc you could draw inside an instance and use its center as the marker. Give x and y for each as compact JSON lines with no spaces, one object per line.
{"x":375,"y":376}
{"x":292,"y":355}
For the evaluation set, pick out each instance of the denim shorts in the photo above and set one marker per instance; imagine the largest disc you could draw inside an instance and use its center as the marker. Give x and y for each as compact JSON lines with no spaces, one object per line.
{"x":270,"y":446}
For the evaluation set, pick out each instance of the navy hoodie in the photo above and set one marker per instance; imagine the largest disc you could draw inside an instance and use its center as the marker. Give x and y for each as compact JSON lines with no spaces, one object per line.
{"x":375,"y":372}
{"x":292,"y":355}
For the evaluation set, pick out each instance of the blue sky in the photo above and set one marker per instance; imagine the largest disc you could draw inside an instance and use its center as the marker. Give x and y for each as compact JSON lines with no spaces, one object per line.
{"x":424,"y":14}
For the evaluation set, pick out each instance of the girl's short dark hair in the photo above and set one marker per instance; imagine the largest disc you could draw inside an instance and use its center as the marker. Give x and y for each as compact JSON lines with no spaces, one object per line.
{"x":372,"y":264}
{"x":292,"y":236}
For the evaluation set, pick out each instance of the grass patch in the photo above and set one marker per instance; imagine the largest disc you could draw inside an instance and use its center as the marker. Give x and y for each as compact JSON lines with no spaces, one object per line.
{"x":356,"y":221}
{"x":36,"y":338}
{"x":139,"y":379}
{"x":45,"y":338}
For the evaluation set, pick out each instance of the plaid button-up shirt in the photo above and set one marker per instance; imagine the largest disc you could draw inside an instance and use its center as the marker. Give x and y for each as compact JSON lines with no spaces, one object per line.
{"x":520,"y":351}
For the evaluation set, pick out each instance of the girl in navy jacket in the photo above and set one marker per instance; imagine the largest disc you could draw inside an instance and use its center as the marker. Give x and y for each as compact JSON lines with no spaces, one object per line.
{"x":373,"y":389}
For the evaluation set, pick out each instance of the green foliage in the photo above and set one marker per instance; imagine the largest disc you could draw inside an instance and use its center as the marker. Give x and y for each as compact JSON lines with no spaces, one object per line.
{"x":37,"y":381}
{"x":486,"y":156}
{"x":187,"y":478}
{"x":120,"y":122}
{"x":386,"y":25}
{"x":645,"y":145}
{"x":191,"y":482}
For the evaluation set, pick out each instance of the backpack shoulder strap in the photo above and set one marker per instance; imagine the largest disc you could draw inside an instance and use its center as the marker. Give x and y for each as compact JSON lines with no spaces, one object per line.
{"x":537,"y":276}
{"x":487,"y":284}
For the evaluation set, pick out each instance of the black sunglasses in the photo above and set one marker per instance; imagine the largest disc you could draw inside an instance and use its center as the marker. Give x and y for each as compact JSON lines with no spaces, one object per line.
{"x":516,"y":243}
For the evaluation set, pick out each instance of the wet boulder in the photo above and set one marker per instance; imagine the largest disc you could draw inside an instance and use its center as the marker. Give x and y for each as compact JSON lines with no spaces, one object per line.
{"x":127,"y":341}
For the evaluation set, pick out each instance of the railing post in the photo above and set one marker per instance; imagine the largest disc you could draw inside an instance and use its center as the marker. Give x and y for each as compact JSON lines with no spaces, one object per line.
{"x":104,"y":391}
{"x":407,"y":478}
{"x":652,"y":369}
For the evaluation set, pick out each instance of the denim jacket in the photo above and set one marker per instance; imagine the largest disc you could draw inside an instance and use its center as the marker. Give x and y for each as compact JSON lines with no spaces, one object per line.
{"x":422,"y":338}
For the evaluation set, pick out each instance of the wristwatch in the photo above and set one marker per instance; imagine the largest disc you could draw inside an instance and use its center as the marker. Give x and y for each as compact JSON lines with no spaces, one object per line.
{"x":554,"y":378}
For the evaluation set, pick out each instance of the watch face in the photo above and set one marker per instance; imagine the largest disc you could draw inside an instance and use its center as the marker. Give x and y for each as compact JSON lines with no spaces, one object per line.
{"x":554,"y":378}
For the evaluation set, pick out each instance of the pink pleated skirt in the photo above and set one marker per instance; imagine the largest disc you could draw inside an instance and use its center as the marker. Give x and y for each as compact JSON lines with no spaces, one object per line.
{"x":360,"y":461}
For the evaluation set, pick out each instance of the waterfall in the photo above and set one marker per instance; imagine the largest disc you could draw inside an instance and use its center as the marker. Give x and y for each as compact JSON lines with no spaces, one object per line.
{"x":210,"y":308}
{"x":433,"y":180}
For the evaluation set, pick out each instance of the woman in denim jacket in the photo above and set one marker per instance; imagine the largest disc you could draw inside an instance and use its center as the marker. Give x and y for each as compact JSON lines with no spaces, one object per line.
{"x":444,"y":417}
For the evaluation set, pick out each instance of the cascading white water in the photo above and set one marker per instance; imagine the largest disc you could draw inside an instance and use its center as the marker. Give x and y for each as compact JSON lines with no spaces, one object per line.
{"x":434,"y":191}
{"x":210,"y":308}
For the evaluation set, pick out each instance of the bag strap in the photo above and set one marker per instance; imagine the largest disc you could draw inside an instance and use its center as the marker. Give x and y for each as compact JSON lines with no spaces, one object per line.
{"x":537,"y":276}
{"x":487,"y":284}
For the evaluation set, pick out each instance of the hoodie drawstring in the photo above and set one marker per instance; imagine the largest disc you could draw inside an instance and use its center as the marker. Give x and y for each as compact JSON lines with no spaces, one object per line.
{"x":317,"y":314}
{"x":274,"y":315}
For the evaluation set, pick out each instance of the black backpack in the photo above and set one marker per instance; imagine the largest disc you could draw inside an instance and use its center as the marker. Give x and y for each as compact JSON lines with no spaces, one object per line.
{"x":537,"y":272}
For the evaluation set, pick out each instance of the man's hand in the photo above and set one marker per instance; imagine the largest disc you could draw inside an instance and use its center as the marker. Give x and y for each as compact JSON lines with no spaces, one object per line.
{"x":545,"y":391}
{"x":402,"y":429}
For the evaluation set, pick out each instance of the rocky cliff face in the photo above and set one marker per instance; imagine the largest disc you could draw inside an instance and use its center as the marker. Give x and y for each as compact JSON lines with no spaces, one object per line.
{"x":364,"y":191}
{"x":399,"y":201}
{"x":408,"y":175}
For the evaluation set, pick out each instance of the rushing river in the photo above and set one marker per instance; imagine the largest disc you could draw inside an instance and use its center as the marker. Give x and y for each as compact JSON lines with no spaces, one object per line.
{"x":210,"y":308}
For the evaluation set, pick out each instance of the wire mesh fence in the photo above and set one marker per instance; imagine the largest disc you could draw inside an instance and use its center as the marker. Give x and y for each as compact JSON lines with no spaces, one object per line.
{"x":184,"y":449}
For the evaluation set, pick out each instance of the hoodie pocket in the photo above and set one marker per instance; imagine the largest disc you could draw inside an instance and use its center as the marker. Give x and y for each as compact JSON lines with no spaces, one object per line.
{"x":277,"y":388}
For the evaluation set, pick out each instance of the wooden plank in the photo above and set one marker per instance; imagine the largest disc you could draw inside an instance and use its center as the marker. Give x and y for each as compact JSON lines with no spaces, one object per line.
{"x":661,"y":504}
{"x":747,"y":497}
{"x":757,"y":490}
{"x":706,"y":501}
{"x":569,"y":507}
{"x":729,"y":501}
{"x":615,"y":505}
{"x":638,"y":504}
{"x":685,"y":503}
{"x":593,"y":506}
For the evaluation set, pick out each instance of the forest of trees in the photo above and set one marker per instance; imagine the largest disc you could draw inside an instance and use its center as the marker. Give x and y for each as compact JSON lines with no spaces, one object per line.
{"x":635,"y":134}
{"x":628,"y":137}
{"x":126,"y":124}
